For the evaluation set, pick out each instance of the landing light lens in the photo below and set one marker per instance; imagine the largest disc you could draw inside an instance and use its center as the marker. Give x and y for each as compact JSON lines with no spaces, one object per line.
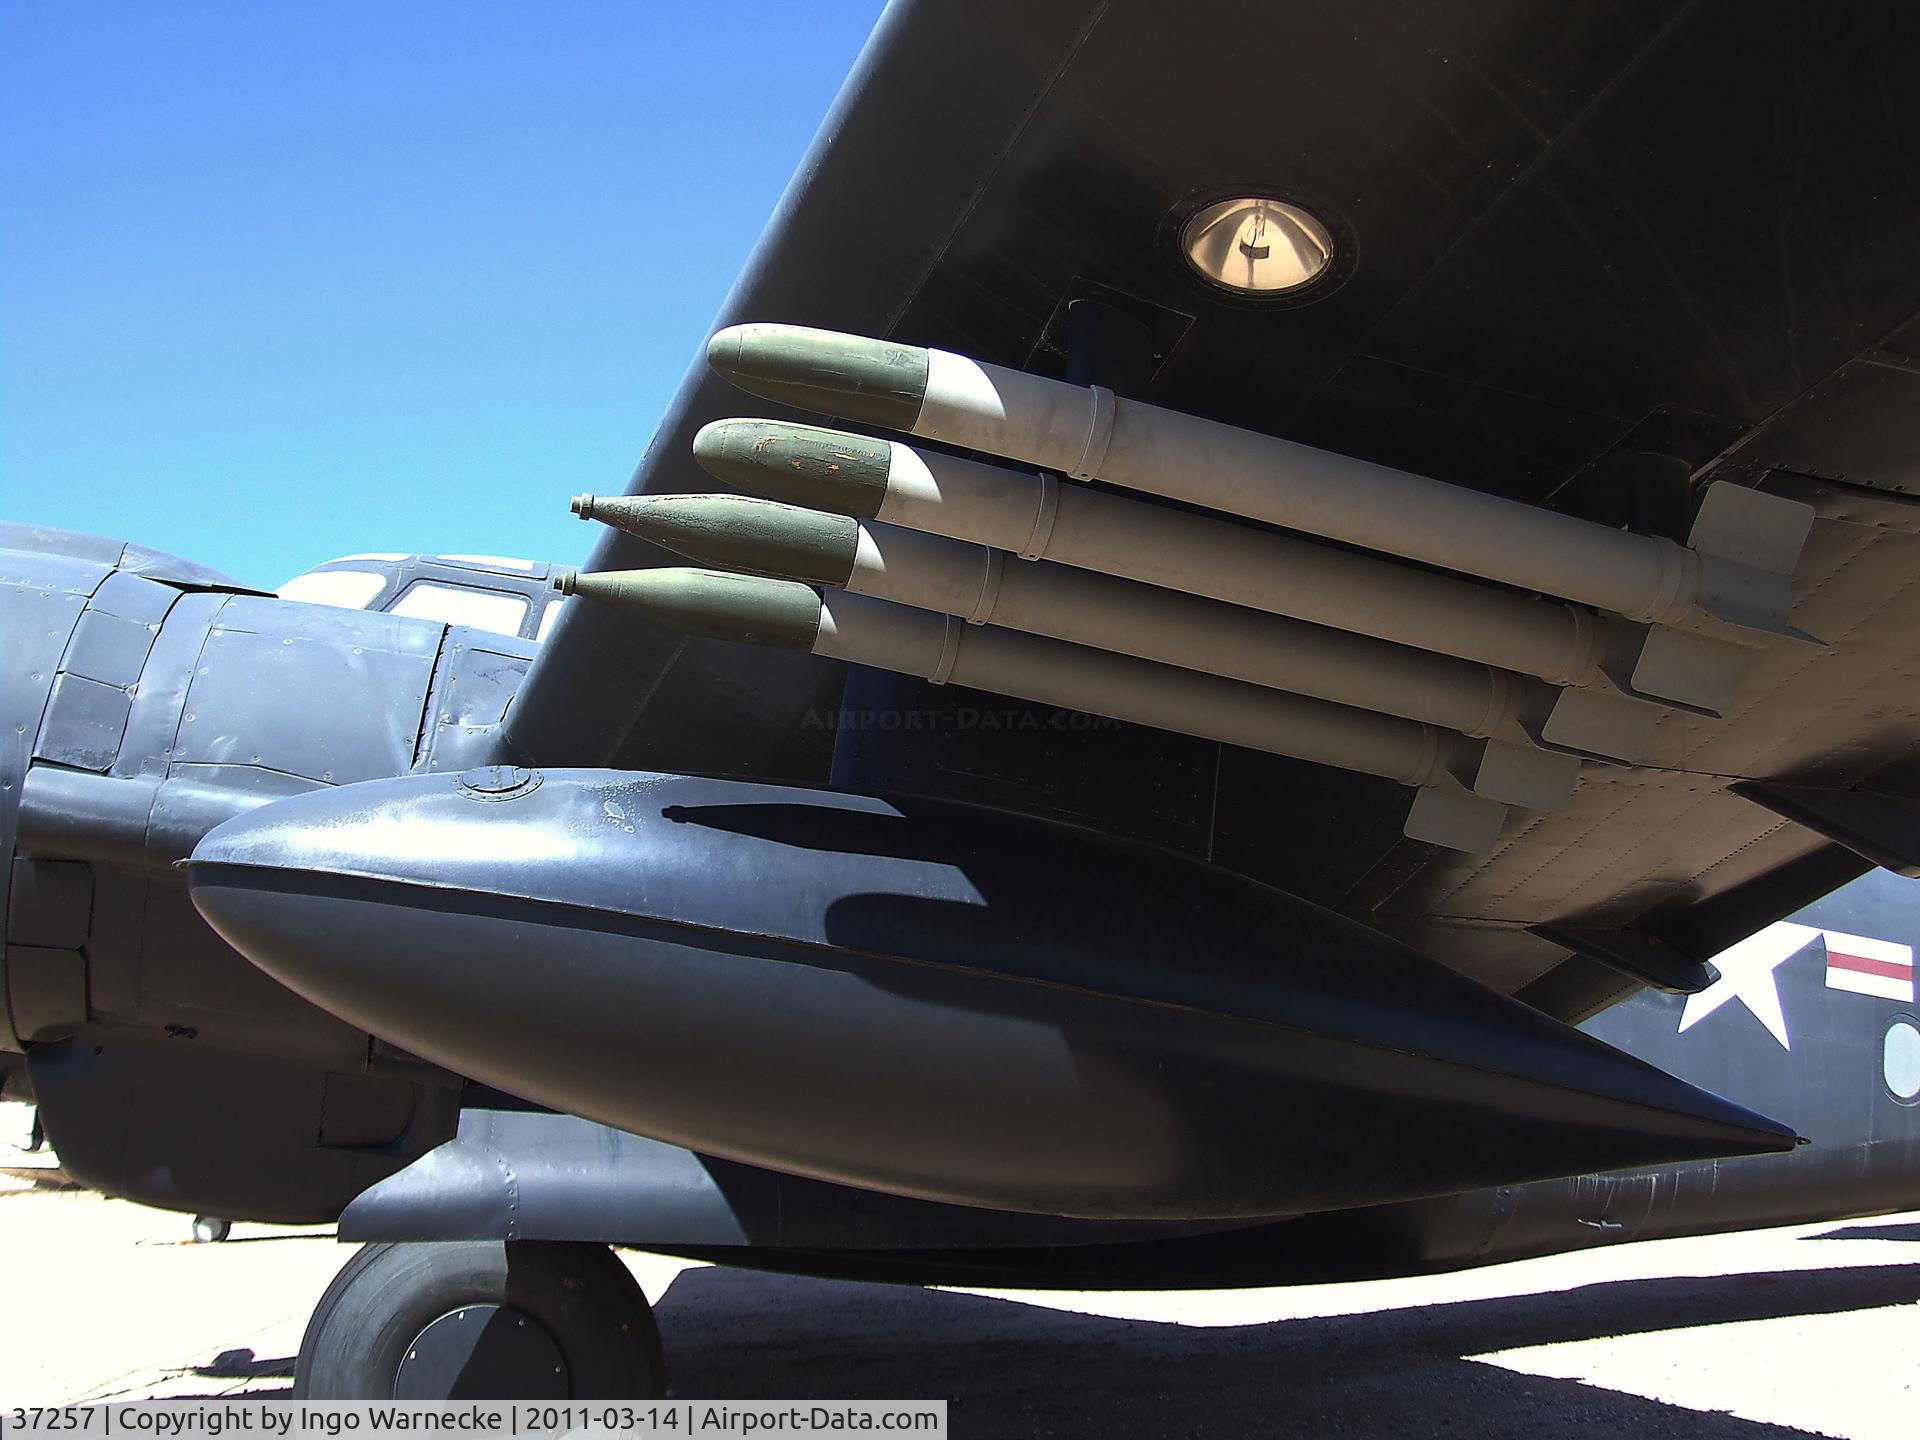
{"x":1256,"y":245}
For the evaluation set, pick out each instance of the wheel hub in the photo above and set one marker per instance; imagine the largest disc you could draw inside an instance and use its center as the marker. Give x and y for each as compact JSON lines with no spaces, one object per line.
{"x":486,"y":1351}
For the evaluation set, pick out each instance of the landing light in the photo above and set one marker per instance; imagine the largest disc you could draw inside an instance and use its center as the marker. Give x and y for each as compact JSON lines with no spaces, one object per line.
{"x":1256,"y":245}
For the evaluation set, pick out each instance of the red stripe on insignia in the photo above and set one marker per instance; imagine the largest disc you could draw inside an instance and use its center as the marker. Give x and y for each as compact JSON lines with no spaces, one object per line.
{"x":1891,"y":969}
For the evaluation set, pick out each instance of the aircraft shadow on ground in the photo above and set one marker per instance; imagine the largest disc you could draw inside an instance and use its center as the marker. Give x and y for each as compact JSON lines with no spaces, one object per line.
{"x":243,"y":1365}
{"x":1908,"y":1231}
{"x":1013,"y":1369}
{"x":1016,"y":1369}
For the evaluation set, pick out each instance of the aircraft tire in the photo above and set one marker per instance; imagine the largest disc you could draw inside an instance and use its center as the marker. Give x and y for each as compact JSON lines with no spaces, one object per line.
{"x":481,"y":1319}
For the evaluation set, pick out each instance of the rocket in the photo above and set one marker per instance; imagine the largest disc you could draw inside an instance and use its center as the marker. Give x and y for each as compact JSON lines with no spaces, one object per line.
{"x":1735,"y":572}
{"x":981,"y":586}
{"x":1042,"y":518}
{"x":838,"y":625}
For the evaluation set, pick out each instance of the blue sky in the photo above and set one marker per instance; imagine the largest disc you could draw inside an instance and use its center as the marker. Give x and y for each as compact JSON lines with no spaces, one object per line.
{"x":284,"y":281}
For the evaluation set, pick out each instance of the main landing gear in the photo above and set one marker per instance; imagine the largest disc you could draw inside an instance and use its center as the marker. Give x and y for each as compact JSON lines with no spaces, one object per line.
{"x":481,"y":1320}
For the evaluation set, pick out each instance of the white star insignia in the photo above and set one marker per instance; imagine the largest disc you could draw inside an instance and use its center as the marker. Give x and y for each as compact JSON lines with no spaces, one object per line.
{"x":1746,"y":974}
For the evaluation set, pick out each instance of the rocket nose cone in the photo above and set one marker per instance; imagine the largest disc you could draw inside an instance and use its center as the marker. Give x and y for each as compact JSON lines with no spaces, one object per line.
{"x":760,"y":537}
{"x":752,"y":609}
{"x":724,"y":449}
{"x":856,"y":378}
{"x":727,"y":349}
{"x":832,"y":470}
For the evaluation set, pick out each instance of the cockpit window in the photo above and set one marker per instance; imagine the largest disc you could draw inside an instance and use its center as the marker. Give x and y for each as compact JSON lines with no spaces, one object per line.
{"x":460,"y":605}
{"x":343,"y":589}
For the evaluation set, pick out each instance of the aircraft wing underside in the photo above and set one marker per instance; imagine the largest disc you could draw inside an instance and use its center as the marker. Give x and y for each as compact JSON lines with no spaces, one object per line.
{"x":1568,"y":238}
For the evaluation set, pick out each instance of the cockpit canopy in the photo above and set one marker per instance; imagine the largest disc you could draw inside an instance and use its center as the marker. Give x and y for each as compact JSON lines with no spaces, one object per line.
{"x":486,"y":592}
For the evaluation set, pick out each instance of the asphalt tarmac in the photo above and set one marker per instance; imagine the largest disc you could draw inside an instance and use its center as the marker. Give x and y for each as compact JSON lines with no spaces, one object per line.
{"x":1807,"y":1329}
